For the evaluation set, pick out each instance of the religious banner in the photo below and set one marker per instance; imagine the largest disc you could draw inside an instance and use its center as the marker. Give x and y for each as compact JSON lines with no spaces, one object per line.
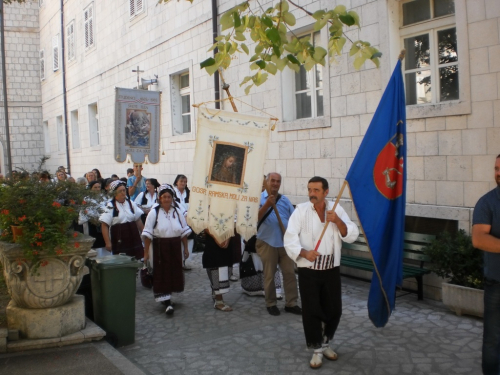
{"x":137,"y":125}
{"x":228,"y":168}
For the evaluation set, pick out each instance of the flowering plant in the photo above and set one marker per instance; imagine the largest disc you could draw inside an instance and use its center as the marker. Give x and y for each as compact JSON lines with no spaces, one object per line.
{"x":44,"y":210}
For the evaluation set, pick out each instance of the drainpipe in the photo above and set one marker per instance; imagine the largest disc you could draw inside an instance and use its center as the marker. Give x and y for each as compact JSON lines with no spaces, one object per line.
{"x":4,"y":84}
{"x":65,"y":102}
{"x":216,"y":74}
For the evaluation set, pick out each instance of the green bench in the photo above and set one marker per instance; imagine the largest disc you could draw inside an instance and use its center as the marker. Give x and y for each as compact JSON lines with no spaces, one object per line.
{"x":413,"y":257}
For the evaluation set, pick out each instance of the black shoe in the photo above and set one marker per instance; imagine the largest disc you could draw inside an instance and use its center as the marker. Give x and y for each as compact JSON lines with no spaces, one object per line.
{"x":273,"y":310}
{"x":169,"y":310}
{"x":294,"y":310}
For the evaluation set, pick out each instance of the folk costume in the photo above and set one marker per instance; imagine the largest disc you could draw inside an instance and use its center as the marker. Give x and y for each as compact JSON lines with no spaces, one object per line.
{"x":121,"y":219}
{"x":88,"y":220}
{"x":182,"y":201}
{"x":165,"y":230}
{"x":319,"y":281}
{"x":219,"y":263}
{"x":146,"y":200}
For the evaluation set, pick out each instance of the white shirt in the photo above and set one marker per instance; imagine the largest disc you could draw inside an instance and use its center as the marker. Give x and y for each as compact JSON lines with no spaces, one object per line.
{"x":167,"y":225}
{"x":92,"y":213}
{"x":304,"y":230}
{"x":124,"y":213}
{"x":151,"y":200}
{"x":182,"y":197}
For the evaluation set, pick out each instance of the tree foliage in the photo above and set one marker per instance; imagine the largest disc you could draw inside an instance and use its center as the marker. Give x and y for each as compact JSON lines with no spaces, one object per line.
{"x":274,"y":49}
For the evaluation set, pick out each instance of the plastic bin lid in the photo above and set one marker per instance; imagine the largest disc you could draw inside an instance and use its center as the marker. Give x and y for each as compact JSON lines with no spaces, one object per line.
{"x":115,"y":261}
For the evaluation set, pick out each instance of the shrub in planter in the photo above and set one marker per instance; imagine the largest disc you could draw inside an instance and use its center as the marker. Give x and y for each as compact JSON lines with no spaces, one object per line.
{"x":453,"y":257}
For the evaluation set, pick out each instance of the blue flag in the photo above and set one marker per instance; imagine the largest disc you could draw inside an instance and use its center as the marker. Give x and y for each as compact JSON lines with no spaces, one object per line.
{"x":377,"y":180}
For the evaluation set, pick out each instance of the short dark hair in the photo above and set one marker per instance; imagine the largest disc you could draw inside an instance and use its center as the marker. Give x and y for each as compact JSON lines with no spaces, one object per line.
{"x":130,"y":170}
{"x":323,"y":181}
{"x":498,"y":156}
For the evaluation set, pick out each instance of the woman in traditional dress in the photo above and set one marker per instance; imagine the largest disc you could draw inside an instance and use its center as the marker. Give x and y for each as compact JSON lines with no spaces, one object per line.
{"x":121,"y":223}
{"x":89,"y":219}
{"x":218,"y":261}
{"x":163,"y":234}
{"x":148,"y":198}
{"x":182,"y":199}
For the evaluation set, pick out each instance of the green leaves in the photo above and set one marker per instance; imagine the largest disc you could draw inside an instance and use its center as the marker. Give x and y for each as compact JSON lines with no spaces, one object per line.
{"x":208,"y":62}
{"x":275,"y":44}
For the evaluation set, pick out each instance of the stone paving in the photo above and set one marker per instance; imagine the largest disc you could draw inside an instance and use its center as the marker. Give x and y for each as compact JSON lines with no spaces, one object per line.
{"x":422,"y":337}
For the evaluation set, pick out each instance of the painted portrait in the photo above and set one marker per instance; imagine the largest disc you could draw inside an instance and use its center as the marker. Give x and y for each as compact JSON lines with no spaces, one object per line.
{"x":227,"y":166}
{"x":138,"y":128}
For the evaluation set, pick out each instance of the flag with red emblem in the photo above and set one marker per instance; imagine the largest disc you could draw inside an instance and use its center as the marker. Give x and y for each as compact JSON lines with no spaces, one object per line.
{"x":377,"y":181}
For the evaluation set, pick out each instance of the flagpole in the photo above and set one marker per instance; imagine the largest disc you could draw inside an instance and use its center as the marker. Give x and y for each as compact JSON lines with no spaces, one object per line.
{"x":333,"y":209}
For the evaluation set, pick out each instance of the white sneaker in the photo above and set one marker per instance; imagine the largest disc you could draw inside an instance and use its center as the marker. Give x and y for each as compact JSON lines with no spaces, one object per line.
{"x":329,"y":354}
{"x":316,"y":360}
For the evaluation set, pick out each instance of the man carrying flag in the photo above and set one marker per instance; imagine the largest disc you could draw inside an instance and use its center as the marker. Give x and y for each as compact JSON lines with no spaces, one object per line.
{"x":318,"y":264}
{"x":377,"y":181}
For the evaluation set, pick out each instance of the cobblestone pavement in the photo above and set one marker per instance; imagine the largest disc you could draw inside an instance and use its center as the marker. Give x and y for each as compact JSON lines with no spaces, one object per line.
{"x":422,"y":337}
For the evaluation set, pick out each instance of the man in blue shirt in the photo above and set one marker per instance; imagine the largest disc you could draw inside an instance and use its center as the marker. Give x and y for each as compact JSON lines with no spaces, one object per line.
{"x":269,"y":246}
{"x":486,"y":236}
{"x":136,"y":184}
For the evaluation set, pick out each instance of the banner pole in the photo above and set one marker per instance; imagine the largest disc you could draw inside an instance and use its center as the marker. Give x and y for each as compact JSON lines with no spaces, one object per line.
{"x":333,"y":209}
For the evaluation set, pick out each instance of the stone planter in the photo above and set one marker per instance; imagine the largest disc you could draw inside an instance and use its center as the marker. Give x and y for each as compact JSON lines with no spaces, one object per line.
{"x":50,"y":286}
{"x":463,"y":300}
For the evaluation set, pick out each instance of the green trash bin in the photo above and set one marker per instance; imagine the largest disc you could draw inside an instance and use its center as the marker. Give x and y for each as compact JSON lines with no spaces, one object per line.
{"x":113,"y":281}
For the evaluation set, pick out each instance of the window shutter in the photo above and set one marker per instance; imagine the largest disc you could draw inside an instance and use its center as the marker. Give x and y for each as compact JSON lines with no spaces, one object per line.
{"x":71,"y":41}
{"x":42,"y":65}
{"x":139,"y":6}
{"x":89,"y":26}
{"x":55,"y":52}
{"x":132,"y":8}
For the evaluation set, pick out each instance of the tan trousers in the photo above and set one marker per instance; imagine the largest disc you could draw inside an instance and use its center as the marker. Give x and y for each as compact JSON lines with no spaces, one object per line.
{"x":271,"y":257}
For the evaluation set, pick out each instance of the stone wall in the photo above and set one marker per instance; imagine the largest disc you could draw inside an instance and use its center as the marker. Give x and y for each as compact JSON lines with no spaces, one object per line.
{"x":22,"y":41}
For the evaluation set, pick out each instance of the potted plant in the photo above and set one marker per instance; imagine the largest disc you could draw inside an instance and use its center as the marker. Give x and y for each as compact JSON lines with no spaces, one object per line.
{"x":43,"y":267}
{"x":454,"y":258}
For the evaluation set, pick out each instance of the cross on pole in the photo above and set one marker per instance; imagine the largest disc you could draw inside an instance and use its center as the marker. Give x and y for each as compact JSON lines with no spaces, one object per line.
{"x":138,"y":72}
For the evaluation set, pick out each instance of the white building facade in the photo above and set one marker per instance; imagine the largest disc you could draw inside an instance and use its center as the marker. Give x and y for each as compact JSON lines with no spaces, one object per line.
{"x":451,"y":70}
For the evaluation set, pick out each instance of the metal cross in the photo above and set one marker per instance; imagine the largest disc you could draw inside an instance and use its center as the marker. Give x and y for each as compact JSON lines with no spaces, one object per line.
{"x":138,"y":72}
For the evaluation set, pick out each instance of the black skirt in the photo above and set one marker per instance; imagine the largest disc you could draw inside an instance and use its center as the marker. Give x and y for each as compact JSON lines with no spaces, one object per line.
{"x":215,"y":256}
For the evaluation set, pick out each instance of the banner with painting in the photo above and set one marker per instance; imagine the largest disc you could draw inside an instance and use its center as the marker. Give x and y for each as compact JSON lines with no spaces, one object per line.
{"x":228,"y":168}
{"x":137,"y":125}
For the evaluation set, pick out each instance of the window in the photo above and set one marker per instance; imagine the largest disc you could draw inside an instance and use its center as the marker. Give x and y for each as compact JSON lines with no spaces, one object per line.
{"x":60,"y":133}
{"x":46,"y":137}
{"x":42,"y":65}
{"x":181,"y":103}
{"x":88,"y":19}
{"x":309,"y":88}
{"x":75,"y":129}
{"x":93,"y":124}
{"x":304,"y":95}
{"x":70,"y":34}
{"x":136,"y":7}
{"x":55,"y":52}
{"x":429,"y":36}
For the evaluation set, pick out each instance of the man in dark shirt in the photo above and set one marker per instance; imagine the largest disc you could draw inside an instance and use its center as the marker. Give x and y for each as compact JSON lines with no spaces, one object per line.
{"x":486,"y":236}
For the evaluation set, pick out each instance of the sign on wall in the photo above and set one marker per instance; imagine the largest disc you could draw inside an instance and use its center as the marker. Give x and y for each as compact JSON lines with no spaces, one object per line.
{"x":137,"y":125}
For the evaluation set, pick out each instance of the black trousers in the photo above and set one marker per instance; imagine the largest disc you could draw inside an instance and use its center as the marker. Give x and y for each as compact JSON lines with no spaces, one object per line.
{"x":320,"y":292}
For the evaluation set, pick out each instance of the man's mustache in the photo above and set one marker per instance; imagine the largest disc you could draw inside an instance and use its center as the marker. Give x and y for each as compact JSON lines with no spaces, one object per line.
{"x":311,"y":198}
